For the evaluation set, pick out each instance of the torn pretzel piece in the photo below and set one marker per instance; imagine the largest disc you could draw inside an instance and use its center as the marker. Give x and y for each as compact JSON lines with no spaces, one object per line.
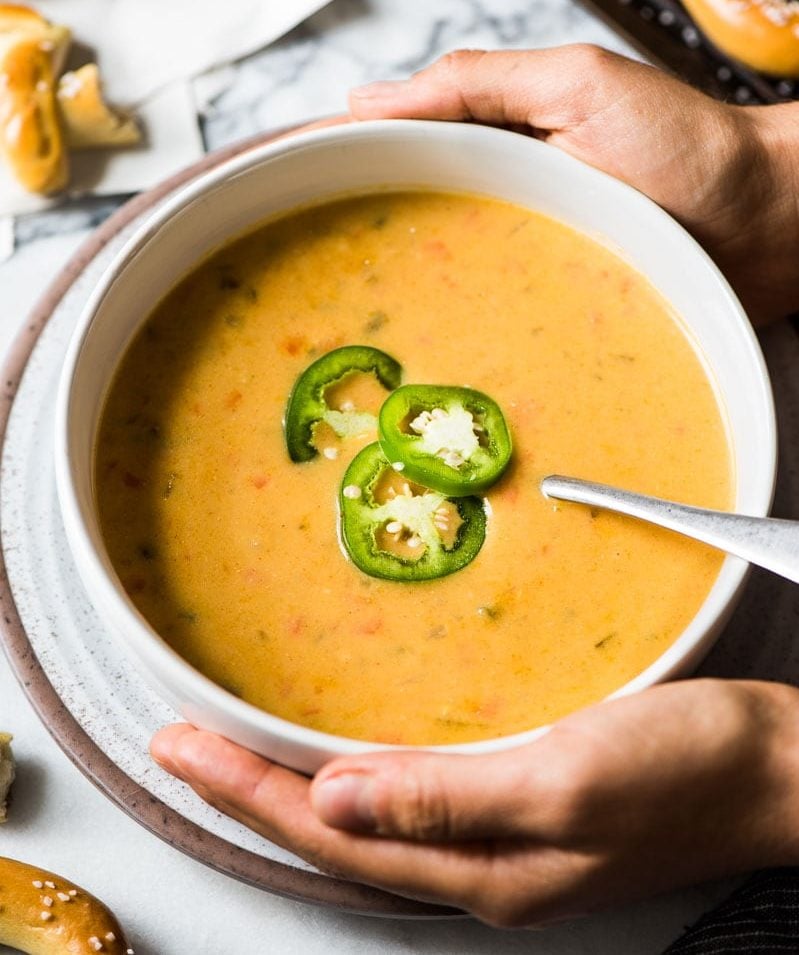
{"x":89,"y":122}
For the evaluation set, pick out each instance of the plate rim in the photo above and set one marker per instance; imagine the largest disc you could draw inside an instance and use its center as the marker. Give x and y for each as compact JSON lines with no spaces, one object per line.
{"x":148,"y":810}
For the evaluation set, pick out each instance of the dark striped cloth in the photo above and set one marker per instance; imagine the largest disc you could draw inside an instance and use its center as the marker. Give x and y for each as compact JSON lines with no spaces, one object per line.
{"x":759,"y":918}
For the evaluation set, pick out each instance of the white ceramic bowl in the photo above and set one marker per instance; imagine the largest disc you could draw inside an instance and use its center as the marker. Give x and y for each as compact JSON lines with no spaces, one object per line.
{"x":360,"y":158}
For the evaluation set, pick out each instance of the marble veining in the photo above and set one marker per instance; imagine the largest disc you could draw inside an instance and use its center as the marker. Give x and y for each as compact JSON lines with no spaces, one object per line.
{"x":308,"y":72}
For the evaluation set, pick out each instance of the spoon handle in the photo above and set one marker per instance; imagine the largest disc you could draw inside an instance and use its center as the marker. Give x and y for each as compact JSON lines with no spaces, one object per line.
{"x":765,"y":541}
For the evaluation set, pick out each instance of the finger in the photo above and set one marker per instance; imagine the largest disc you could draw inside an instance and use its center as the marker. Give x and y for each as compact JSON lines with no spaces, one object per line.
{"x":511,"y":883}
{"x":274,"y":801}
{"x":166,"y":739}
{"x":440,"y":798}
{"x":225,"y":774}
{"x":544,"y":89}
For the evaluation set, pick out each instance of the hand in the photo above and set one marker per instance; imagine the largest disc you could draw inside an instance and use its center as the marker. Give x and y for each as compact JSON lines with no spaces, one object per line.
{"x":729,"y":174}
{"x":678,"y":784}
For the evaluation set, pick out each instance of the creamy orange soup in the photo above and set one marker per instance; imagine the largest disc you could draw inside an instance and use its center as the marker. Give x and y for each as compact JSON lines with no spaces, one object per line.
{"x":231,"y":551}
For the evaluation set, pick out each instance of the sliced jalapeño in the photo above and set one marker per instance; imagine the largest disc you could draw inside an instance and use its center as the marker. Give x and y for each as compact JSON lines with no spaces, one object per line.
{"x":311,"y":405}
{"x":453,"y":440}
{"x":395,"y":529}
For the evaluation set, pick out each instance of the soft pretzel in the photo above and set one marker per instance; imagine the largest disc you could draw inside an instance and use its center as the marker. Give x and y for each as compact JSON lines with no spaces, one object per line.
{"x":19,"y":20}
{"x":762,"y":34}
{"x":32,"y":52}
{"x":88,"y":121}
{"x":43,"y":914}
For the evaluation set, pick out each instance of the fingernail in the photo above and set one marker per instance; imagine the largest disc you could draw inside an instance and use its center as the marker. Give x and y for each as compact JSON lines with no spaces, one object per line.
{"x":176,"y":759}
{"x":161,"y":752}
{"x":346,"y":802}
{"x":384,"y":89}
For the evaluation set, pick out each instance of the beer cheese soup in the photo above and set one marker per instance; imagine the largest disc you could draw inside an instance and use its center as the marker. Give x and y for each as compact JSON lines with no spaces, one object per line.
{"x":234,"y":552}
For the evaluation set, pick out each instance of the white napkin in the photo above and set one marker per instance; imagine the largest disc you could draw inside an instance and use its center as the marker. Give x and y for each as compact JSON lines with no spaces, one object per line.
{"x":148,"y":52}
{"x":142,"y":45}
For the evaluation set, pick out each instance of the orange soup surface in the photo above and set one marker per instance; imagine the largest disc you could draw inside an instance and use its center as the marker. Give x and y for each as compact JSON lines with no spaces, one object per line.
{"x":232,"y":551}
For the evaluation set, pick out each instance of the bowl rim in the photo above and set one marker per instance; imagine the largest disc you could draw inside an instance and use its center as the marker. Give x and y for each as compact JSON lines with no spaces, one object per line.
{"x":155,"y":654}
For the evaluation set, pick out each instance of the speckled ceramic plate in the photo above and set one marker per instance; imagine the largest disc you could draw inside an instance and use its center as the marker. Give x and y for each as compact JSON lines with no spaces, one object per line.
{"x":95,"y":704}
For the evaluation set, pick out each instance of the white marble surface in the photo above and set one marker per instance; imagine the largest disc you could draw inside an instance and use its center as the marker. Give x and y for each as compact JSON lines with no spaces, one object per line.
{"x":169,"y":903}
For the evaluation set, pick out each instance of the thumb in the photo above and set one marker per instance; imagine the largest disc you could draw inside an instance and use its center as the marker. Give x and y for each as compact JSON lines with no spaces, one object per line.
{"x":552,"y":89}
{"x":430,"y":797}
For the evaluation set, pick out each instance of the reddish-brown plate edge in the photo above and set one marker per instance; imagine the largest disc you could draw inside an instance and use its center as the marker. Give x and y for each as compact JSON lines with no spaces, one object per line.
{"x":145,"y":808}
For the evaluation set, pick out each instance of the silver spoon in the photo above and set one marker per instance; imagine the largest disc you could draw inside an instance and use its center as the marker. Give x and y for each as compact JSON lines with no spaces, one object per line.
{"x":765,"y":541}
